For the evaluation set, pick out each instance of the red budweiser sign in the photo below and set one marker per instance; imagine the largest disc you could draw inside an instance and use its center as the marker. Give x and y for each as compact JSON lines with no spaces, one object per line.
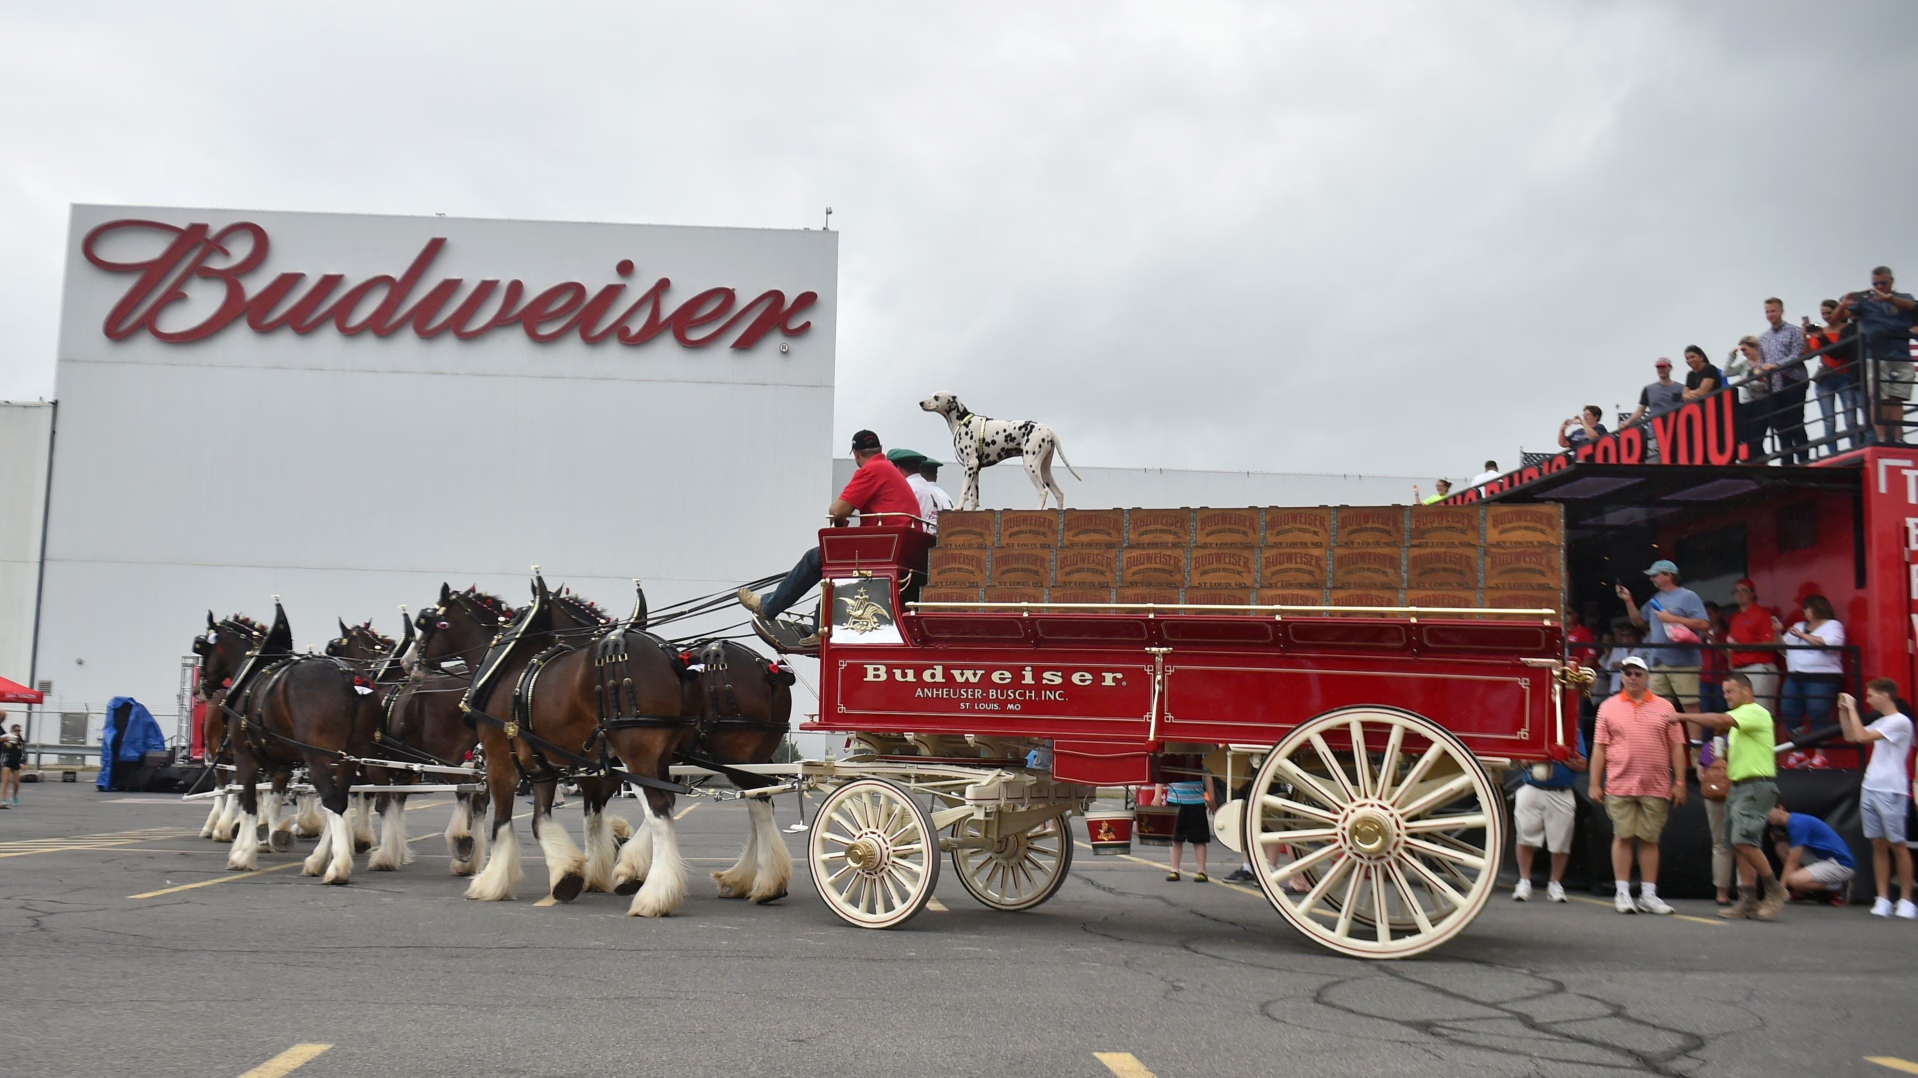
{"x":384,"y":304}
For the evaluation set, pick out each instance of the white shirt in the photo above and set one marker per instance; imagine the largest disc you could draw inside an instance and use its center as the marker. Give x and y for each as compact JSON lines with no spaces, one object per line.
{"x":1483,"y":478}
{"x":1886,"y":772}
{"x":1800,"y":659}
{"x":931,"y":498}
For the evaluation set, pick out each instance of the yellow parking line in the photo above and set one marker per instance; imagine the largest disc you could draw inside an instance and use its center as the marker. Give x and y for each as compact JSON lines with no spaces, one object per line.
{"x":682,"y":814}
{"x":287,"y":1062}
{"x":1894,"y":1063}
{"x":222,"y":879}
{"x":428,"y":805}
{"x":549,"y":900}
{"x":936,"y":905}
{"x":1123,"y":1064}
{"x":1678,"y":916}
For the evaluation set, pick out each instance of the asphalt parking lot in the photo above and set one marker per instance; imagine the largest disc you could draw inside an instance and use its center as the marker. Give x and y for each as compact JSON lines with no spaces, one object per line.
{"x":1121,"y":973}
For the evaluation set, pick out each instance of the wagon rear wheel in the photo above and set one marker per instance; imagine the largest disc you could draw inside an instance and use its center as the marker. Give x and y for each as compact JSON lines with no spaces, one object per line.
{"x":1393,"y":827}
{"x":1018,"y":871}
{"x":874,"y":854}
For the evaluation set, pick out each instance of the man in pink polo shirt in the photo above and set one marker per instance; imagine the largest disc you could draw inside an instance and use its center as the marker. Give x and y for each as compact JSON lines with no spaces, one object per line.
{"x":1638,"y":772}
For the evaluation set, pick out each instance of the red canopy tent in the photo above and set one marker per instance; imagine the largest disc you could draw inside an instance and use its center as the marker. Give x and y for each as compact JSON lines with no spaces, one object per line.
{"x":12,"y":692}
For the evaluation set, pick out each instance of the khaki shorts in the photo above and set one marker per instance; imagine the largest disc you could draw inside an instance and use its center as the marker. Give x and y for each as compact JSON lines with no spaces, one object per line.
{"x":1679,"y":681}
{"x":1746,"y":809}
{"x":1894,"y":379}
{"x":1642,"y":818}
{"x":1830,"y":873}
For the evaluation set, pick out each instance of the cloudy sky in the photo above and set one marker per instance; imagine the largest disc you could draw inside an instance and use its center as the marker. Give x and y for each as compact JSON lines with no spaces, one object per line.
{"x":1386,"y":238}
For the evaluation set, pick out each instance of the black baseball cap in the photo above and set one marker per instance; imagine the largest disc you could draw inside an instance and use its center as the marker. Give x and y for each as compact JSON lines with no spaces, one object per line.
{"x":865,"y":442}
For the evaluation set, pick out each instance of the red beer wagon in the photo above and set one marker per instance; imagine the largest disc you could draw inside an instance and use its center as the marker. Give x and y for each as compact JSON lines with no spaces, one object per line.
{"x":1387,"y":704}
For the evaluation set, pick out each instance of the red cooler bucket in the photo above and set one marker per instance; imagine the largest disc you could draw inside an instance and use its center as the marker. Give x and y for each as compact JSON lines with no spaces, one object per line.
{"x":1109,"y":832}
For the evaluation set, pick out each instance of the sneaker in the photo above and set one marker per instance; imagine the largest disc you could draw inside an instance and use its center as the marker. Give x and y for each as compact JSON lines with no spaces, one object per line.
{"x":1907,"y":910}
{"x":1555,"y":891}
{"x":1881,"y":908}
{"x":1201,"y":878}
{"x":1171,"y":876}
{"x":1241,"y":875}
{"x":1523,"y":892}
{"x":1623,"y":903}
{"x":1654,"y":904}
{"x":749,"y":599}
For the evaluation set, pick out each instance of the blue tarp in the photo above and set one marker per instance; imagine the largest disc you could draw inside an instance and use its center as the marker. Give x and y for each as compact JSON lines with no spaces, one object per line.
{"x":131,"y":733}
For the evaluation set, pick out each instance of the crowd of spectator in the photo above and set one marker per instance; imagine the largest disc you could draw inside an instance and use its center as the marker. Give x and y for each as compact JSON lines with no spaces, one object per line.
{"x":1858,"y":356}
{"x":1688,"y":687}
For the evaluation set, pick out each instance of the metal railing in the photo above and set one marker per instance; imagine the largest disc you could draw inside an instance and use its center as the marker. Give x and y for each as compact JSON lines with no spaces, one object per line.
{"x":1852,"y":677}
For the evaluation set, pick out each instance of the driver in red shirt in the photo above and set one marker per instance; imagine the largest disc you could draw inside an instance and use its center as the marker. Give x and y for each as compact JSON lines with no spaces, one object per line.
{"x":878,"y":487}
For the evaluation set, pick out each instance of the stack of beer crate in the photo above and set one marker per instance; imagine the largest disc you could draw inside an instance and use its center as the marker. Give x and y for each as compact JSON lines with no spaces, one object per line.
{"x":1456,"y":557}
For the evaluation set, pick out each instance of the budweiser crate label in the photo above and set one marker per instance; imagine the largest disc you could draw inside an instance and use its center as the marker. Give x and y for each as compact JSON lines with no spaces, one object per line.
{"x":1298,"y":527}
{"x":1290,"y":597}
{"x":1288,"y":567}
{"x":1079,"y":595}
{"x":1441,"y":567}
{"x":1365,"y":597}
{"x":1096,"y":566}
{"x":1095,"y":527}
{"x":1007,"y":594}
{"x":1219,"y":597}
{"x":1149,"y":565}
{"x":948,"y":595}
{"x":1444,"y":598}
{"x":975,"y":527}
{"x":1508,"y":525}
{"x":1445,"y":525}
{"x":1223,"y":567}
{"x":1159,"y":527}
{"x":1523,"y":566}
{"x":1029,"y":527}
{"x":1162,"y":596}
{"x":1021,"y":567}
{"x":1367,"y":567}
{"x":957,"y":567}
{"x":1525,"y":599}
{"x":1361,"y":525}
{"x":1228,"y":527}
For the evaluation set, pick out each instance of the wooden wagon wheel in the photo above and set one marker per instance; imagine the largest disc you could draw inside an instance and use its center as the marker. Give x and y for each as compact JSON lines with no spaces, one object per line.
{"x":1020,"y":870}
{"x":1383,"y":810}
{"x":874,"y":854}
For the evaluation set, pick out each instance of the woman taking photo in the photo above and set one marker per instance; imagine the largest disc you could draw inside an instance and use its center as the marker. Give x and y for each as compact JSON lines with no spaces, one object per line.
{"x":1812,"y":677}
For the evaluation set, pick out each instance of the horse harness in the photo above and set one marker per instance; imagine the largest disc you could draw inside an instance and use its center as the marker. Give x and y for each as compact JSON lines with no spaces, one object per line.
{"x":722,"y":708}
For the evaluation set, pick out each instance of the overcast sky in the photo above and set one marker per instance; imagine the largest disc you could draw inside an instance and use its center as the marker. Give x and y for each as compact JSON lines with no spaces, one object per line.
{"x":1386,"y":238}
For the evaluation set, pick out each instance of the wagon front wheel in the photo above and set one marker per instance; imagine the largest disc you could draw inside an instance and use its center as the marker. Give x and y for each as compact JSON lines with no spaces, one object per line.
{"x":1016,"y":871}
{"x":874,"y":854}
{"x":1385,"y":828}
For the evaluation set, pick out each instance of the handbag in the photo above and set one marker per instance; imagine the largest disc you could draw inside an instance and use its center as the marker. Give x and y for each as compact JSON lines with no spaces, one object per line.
{"x":1715,"y":781}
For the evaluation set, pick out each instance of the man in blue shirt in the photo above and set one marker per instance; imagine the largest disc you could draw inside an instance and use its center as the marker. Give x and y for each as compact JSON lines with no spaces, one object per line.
{"x":1815,"y":857}
{"x":1885,"y":319}
{"x":1675,"y":616}
{"x":1544,"y":812}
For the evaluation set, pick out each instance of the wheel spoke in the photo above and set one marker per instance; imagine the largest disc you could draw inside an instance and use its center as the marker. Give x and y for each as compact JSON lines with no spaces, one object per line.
{"x":1463,"y":822}
{"x":1380,"y":918}
{"x":1417,"y":774}
{"x":1311,"y":901}
{"x":1282,"y":838}
{"x":1446,"y":793}
{"x":1300,"y":780}
{"x":1267,"y":801}
{"x":1434,"y":883}
{"x":1349,"y":905}
{"x":1444,"y":853}
{"x":1297,"y":865}
{"x":1361,"y":768}
{"x":1389,"y":764}
{"x":1331,"y":762}
{"x":1412,"y":904}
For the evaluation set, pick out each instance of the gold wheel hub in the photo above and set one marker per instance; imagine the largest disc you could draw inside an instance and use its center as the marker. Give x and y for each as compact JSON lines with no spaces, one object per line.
{"x":1370,"y":833}
{"x":865,"y":855}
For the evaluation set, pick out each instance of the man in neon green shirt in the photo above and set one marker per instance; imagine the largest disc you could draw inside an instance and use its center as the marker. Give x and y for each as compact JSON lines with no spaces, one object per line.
{"x":1751,"y":760}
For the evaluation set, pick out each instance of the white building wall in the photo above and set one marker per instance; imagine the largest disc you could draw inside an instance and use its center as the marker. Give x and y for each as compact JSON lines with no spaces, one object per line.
{"x":26,"y":429}
{"x":350,"y":474}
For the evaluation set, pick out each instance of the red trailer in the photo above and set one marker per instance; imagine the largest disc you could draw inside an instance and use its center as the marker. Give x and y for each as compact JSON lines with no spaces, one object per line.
{"x":1383,"y":728}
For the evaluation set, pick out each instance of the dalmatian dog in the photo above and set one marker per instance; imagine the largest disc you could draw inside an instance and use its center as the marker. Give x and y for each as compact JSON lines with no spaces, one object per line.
{"x":979,"y":443}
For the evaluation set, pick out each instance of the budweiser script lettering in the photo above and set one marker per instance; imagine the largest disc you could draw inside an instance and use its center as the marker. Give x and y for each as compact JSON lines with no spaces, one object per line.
{"x":958,"y":683}
{"x":197,"y":253}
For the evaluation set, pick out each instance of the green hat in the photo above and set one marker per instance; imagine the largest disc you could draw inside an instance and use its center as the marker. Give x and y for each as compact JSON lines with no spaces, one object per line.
{"x":906,"y":456}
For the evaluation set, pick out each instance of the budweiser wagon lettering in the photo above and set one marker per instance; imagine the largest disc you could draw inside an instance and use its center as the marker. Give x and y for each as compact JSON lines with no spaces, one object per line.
{"x":175,"y":256}
{"x":984,"y":687}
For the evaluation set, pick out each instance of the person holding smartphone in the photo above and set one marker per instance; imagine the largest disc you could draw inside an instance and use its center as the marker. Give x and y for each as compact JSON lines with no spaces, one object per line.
{"x":1885,"y":320}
